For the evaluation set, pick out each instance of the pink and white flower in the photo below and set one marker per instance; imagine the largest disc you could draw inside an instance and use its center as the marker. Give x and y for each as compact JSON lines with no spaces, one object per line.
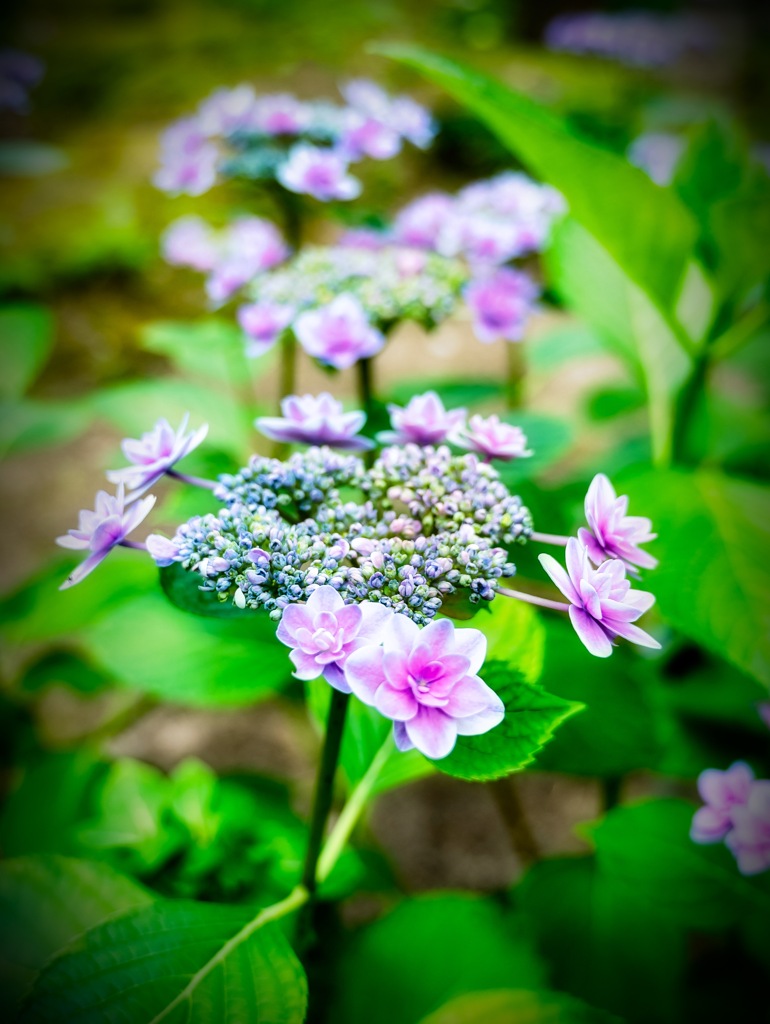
{"x":263,"y":323}
{"x":321,"y":173}
{"x":338,"y":334}
{"x":749,"y":839}
{"x":190,"y":242}
{"x":421,"y":222}
{"x":722,"y":793}
{"x":317,"y":420}
{"x":612,"y":533}
{"x":492,"y":439}
{"x":426,"y":681}
{"x":423,"y":421}
{"x":602,"y":604}
{"x":501,"y":304}
{"x":325,"y":632}
{"x":154,"y":454}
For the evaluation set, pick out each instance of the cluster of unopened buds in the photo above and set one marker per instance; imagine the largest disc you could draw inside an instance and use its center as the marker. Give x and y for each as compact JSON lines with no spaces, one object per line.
{"x":306,"y":147}
{"x":354,"y":562}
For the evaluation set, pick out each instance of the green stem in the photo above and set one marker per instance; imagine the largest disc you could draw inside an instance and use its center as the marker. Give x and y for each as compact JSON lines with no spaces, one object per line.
{"x":324,"y":788}
{"x":366,"y":386}
{"x":514,"y":380}
{"x":506,"y":796}
{"x":686,"y":406}
{"x":740,"y":332}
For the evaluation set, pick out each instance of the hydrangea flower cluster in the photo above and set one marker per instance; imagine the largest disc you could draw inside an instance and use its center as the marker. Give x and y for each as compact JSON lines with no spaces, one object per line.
{"x":231,"y":257}
{"x":427,"y":525}
{"x":340,"y":301}
{"x":305,"y":146}
{"x":737,"y":810}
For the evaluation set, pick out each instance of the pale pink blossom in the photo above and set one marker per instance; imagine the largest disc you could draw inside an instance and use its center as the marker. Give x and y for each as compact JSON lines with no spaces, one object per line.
{"x":492,"y":439}
{"x":190,"y":242}
{"x":280,"y":114}
{"x":338,"y":334}
{"x":722,"y":792}
{"x":421,"y":222}
{"x":316,"y":420}
{"x":612,"y":533}
{"x":500,"y":304}
{"x":423,"y":421}
{"x":263,"y":323}
{"x":154,"y":454}
{"x":749,"y":838}
{"x":321,"y":173}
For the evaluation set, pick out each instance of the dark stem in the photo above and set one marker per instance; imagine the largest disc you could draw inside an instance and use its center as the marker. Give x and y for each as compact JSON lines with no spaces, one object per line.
{"x":514,"y":380}
{"x":366,"y":387}
{"x":324,"y":787}
{"x":506,"y":795}
{"x":287,"y":382}
{"x":611,"y":788}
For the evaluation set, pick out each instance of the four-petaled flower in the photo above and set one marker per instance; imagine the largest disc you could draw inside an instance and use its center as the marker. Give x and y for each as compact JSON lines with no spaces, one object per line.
{"x":492,"y":439}
{"x":426,"y":681}
{"x":611,"y":533}
{"x":321,"y":173}
{"x":501,"y":304}
{"x":101,"y":530}
{"x":263,"y":323}
{"x":423,"y":421}
{"x":318,"y":420}
{"x":325,"y":632}
{"x":154,"y":454}
{"x":722,"y":793}
{"x":338,"y":334}
{"x":602,"y":604}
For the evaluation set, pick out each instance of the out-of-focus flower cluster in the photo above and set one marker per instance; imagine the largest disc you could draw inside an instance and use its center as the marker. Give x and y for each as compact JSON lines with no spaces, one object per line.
{"x":419,"y":527}
{"x":737,"y":810}
{"x":19,"y":72}
{"x":305,"y":146}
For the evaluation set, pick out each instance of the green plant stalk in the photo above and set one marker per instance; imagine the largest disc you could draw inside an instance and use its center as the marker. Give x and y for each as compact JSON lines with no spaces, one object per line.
{"x":515,"y":371}
{"x":291,"y":212}
{"x":366,"y":386}
{"x":686,"y":406}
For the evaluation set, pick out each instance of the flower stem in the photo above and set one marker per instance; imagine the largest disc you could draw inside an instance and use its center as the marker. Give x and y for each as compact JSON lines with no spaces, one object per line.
{"x":196,"y":481}
{"x":549,"y":538}
{"x":515,"y":374}
{"x":324,"y":787}
{"x":136,"y":545}
{"x":366,"y":387}
{"x":543,"y":602}
{"x":506,"y":795}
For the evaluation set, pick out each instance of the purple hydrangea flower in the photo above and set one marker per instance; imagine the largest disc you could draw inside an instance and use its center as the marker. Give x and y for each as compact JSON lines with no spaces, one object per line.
{"x":164,"y":551}
{"x":364,"y":136}
{"x":602,"y":604}
{"x":338,"y":334}
{"x":321,"y":173}
{"x":364,"y":238}
{"x":427,"y":681}
{"x":190,"y":242}
{"x":500,"y":304}
{"x":263,"y":323}
{"x":325,"y":632}
{"x":611,"y":533}
{"x":401,"y":114}
{"x":280,"y":114}
{"x":763,"y":709}
{"x":154,"y":454}
{"x":248,"y":247}
{"x":228,"y":110}
{"x":421,"y":223}
{"x":722,"y":793}
{"x":749,"y":838}
{"x":423,"y":421}
{"x":101,"y":530}
{"x":188,"y":160}
{"x":308,"y":419}
{"x":492,"y":439}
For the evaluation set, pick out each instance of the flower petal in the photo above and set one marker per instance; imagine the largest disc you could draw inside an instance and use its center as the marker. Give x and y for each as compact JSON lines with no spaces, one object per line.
{"x":559,"y":577}
{"x":399,"y":705}
{"x":590,"y":632}
{"x":305,"y":665}
{"x":473,"y":645}
{"x":364,"y":672}
{"x":432,"y":732}
{"x":325,"y":599}
{"x":295,"y":616}
{"x":80,"y":572}
{"x":374,"y":620}
{"x":479,"y":723}
{"x":401,"y":737}
{"x":470,"y":696}
{"x":335,"y":677}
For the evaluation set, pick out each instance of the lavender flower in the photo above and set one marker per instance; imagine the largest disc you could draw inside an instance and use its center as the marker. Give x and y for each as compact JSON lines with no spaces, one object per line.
{"x":188,"y":160}
{"x":602,"y":604}
{"x":280,"y":114}
{"x":263,"y":323}
{"x":500,"y":305}
{"x":248,"y":247}
{"x":316,"y":420}
{"x":657,"y":153}
{"x":101,"y":530}
{"x":155,"y":454}
{"x":422,"y":221}
{"x":401,"y":114}
{"x":611,"y":533}
{"x":722,"y":793}
{"x":325,"y":632}
{"x":364,"y":136}
{"x":749,"y":839}
{"x":338,"y":334}
{"x":492,"y":439}
{"x":190,"y":242}
{"x":763,"y":710}
{"x":321,"y":173}
{"x":164,"y":551}
{"x":424,"y":421}
{"x":427,"y":681}
{"x":228,"y":110}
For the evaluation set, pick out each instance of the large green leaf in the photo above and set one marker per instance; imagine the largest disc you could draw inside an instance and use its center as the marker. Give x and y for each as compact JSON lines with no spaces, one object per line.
{"x":517,"y":1006}
{"x":26,"y":338}
{"x":548,"y":438}
{"x":173,"y":962}
{"x":515,"y":636}
{"x":28,"y":423}
{"x":425,"y":952}
{"x":151,"y":646}
{"x":531,"y":717}
{"x":647,"y":229}
{"x":182,"y":588}
{"x":45,"y":903}
{"x":713,"y":580}
{"x":211,"y":349}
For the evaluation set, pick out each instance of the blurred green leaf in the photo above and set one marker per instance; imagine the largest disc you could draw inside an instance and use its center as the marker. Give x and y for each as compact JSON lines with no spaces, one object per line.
{"x":24,"y":158}
{"x":26,"y":339}
{"x":454,"y":394}
{"x":548,"y":438}
{"x":517,"y":1006}
{"x":549,"y":350}
{"x":531,"y":718}
{"x":515,"y":636}
{"x":59,"y":667}
{"x":425,"y":952}
{"x":193,"y":796}
{"x":48,"y":901}
{"x":182,"y":588}
{"x":151,"y":646}
{"x":210,"y":349}
{"x":28,"y":423}
{"x":617,"y":400}
{"x":173,"y":960}
{"x":712,"y":582}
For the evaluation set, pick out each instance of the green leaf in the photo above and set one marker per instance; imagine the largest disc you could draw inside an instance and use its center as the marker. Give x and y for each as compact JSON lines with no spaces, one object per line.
{"x":517,"y":1006}
{"x":26,"y":339}
{"x":211,"y":349}
{"x":423,"y":953}
{"x":45,"y":903}
{"x":27,"y":424}
{"x":712,"y":582}
{"x":173,"y":962}
{"x":531,"y":717}
{"x":515,"y":636}
{"x":151,"y":646}
{"x":572,"y":341}
{"x":548,"y":438}
{"x":182,"y":588}
{"x":647,"y":230}
{"x":454,"y":394}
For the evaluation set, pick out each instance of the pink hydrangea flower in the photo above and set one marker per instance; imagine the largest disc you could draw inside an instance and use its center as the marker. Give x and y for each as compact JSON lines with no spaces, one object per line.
{"x":401,"y":114}
{"x":423,"y":421}
{"x":611,"y":533}
{"x":263,"y":323}
{"x":763,"y":710}
{"x":338,"y":334}
{"x":188,"y":160}
{"x":325,"y":632}
{"x":190,"y":242}
{"x":155,"y":454}
{"x":101,"y":530}
{"x":321,"y":173}
{"x":492,"y":439}
{"x":228,"y":110}
{"x":427,"y":681}
{"x":500,"y":304}
{"x":421,"y":223}
{"x":749,"y":838}
{"x":249,"y":246}
{"x":364,"y":136}
{"x":722,"y":793}
{"x":280,"y":114}
{"x":164,"y":551}
{"x":364,"y":238}
{"x":308,"y":419}
{"x":602,"y":604}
